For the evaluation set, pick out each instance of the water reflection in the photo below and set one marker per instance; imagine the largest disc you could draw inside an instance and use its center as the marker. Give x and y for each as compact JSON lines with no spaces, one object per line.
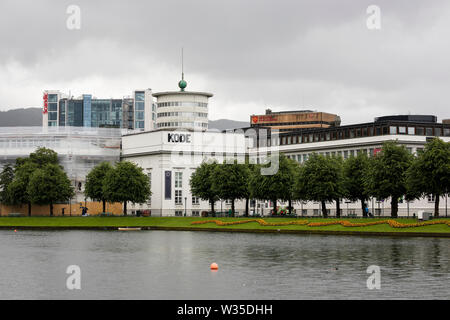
{"x":175,"y":265}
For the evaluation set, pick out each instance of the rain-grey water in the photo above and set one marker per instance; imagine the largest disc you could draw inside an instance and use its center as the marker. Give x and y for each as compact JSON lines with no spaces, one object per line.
{"x":176,"y":265}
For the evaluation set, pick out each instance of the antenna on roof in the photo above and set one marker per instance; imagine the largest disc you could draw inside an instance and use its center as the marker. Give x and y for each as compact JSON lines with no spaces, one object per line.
{"x":182,"y":84}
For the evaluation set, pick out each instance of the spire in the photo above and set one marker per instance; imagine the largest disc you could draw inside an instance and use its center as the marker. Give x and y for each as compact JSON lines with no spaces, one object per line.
{"x":182,"y":84}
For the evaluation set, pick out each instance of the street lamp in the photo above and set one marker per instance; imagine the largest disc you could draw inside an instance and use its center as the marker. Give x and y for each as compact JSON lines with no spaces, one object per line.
{"x":185,"y":206}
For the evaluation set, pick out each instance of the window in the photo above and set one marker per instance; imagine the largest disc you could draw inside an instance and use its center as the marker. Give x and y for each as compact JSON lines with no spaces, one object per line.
{"x":195,"y":213}
{"x":178,"y":179}
{"x":195,"y":200}
{"x":402,"y":130}
{"x":431,"y":198}
{"x":447,"y":132}
{"x":411,"y":130}
{"x":392,"y":130}
{"x":178,"y":197}
{"x":437,"y":132}
{"x":420,"y":131}
{"x":429,"y":131}
{"x":178,"y":213}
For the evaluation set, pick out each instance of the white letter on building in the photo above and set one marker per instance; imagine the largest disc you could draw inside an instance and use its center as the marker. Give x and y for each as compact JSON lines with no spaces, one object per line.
{"x":74,"y":20}
{"x":374,"y":20}
{"x":74,"y":280}
{"x":374,"y":281}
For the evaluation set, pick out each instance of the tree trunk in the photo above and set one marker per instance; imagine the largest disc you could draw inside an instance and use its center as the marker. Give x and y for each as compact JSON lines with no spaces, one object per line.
{"x":394,"y":207}
{"x":104,"y":205}
{"x":124,"y":208}
{"x":232,"y":207}
{"x":436,"y":205}
{"x":363,"y":207}
{"x":274,"y":206}
{"x":290,"y":206}
{"x":324,"y":209}
{"x":338,"y":208}
{"x":51,"y":209}
{"x":212,"y":206}
{"x":247,"y":200}
{"x":29,"y":209}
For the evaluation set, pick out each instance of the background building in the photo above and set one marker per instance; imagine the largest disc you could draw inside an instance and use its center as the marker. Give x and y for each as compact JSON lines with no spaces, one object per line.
{"x":135,"y":113}
{"x":290,"y":120}
{"x":79,"y":150}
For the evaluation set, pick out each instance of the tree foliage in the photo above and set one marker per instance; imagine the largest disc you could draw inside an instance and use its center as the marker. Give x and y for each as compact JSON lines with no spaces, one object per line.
{"x":49,"y":185}
{"x":126,"y":183}
{"x":387,"y":174}
{"x":429,"y":173}
{"x":230,"y":182}
{"x":201,"y":183}
{"x":6,"y":177}
{"x":321,"y":180}
{"x":274,"y":187}
{"x":355,"y":171}
{"x":95,"y":182}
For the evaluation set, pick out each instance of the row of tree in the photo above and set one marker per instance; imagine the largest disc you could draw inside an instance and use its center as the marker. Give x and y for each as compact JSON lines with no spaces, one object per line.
{"x":39,"y":179}
{"x":393,"y":173}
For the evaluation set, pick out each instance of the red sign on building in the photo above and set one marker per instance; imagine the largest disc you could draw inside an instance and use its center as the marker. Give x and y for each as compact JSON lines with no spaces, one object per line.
{"x":45,"y":103}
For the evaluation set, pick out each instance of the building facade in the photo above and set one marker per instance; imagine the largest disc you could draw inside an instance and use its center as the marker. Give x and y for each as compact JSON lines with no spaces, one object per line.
{"x":134,"y":113}
{"x":79,"y":149}
{"x":292,"y":120}
{"x":170,"y":157}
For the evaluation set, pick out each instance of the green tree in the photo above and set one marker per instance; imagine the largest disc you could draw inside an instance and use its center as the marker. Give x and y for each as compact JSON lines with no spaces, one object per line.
{"x":95,"y":182}
{"x":201,"y":183}
{"x":355,"y":171}
{"x":230,"y":182}
{"x":429,"y":172}
{"x":6,"y":177}
{"x":126,"y":183}
{"x":322,"y":180}
{"x":49,"y":185}
{"x":23,"y":169}
{"x":43,"y":156}
{"x":18,"y":188}
{"x":387,"y":174}
{"x":274,"y":187}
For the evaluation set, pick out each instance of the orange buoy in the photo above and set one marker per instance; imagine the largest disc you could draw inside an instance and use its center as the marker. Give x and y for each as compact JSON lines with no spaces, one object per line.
{"x":214,"y":266}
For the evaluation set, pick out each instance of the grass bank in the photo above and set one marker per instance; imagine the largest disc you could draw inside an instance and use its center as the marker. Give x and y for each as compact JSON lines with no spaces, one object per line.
{"x":185,"y":223}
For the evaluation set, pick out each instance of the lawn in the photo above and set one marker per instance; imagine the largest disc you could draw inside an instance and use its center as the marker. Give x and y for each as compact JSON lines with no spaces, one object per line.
{"x":185,"y":222}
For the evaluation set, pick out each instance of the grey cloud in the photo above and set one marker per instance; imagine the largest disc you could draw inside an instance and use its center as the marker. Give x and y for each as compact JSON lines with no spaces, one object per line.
{"x":250,"y":53}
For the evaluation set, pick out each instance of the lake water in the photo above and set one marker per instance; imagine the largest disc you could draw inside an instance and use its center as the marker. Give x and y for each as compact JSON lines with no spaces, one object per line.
{"x":175,"y":265}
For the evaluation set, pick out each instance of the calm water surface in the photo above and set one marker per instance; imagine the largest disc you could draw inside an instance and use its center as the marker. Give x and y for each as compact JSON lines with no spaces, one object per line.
{"x":175,"y":265}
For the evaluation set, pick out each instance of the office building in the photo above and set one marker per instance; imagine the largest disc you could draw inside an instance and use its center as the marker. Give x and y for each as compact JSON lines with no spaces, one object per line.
{"x":291,"y":120}
{"x":137,"y":112}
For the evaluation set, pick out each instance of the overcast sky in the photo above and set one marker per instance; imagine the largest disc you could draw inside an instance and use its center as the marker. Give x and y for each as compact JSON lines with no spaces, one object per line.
{"x":251,"y":54}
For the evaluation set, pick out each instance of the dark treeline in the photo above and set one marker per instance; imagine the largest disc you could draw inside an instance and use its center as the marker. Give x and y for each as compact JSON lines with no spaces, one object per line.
{"x":392,"y":174}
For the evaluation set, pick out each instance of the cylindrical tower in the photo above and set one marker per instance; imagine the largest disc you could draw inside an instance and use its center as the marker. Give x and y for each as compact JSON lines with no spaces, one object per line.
{"x":182,"y":109}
